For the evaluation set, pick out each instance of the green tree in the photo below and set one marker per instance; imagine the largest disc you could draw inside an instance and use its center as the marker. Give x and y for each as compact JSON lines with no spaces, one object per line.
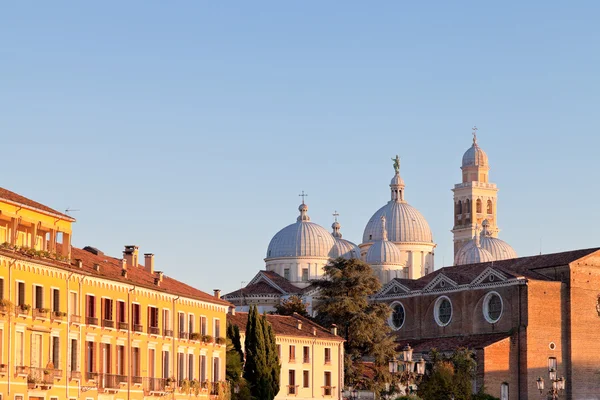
{"x":261,"y":357}
{"x":293,"y":304}
{"x":234,"y":364}
{"x":344,"y":301}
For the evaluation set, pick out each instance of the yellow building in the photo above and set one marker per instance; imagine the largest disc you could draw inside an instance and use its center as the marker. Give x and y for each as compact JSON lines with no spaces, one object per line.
{"x":77,"y":324}
{"x":311,"y":357}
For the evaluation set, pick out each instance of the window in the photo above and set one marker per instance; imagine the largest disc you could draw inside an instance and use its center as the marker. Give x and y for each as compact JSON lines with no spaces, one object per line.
{"x":165,"y":364}
{"x":122,"y":314}
{"x":306,"y":354}
{"x":90,"y":310}
{"x":279,"y":351}
{"x":327,"y":355}
{"x":203,"y":328}
{"x":19,"y":349}
{"x":20,"y":293}
{"x":73,"y":303}
{"x":151,"y":363}
{"x":167,"y":323}
{"x":327,"y":387}
{"x":396,"y":319}
{"x":56,"y":351}
{"x":216,"y":369}
{"x":217,"y":328}
{"x":107,"y":313}
{"x":121,"y":360}
{"x":90,"y":359}
{"x":136,"y":316}
{"x":292,"y":353}
{"x":492,"y":307}
{"x":286,"y":273}
{"x":55,"y":300}
{"x":153,"y":320}
{"x":1,"y":345}
{"x":191,"y":327}
{"x":304,"y":274}
{"x":39,"y":296}
{"x":135,"y":361}
{"x":504,"y":391}
{"x":74,"y":356}
{"x":181,"y":324}
{"x":305,"y":379}
{"x":292,"y":382}
{"x":1,"y":288}
{"x":190,"y":366}
{"x":203,"y":368}
{"x":489,"y":211}
{"x":180,"y":367}
{"x":478,"y":206}
{"x":443,"y":311}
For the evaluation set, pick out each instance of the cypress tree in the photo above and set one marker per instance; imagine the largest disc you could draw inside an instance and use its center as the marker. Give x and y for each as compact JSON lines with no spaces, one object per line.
{"x":256,"y":360}
{"x":272,"y":357}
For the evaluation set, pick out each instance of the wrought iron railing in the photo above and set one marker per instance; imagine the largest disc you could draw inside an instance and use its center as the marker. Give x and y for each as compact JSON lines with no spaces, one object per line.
{"x":154,"y":330}
{"x":108,"y":323}
{"x":111,"y":381}
{"x":74,"y":375}
{"x":123,"y":325}
{"x":155,"y":385}
{"x":40,"y":313}
{"x":168,"y":332}
{"x":138,"y":328}
{"x":292,"y":389}
{"x":75,"y":319}
{"x":91,"y":321}
{"x":136,"y":380}
{"x":183,"y":335}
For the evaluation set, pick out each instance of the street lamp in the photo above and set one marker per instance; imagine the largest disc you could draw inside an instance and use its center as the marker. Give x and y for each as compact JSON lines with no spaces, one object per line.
{"x":407,"y":375}
{"x":355,"y":394}
{"x":558,"y":384}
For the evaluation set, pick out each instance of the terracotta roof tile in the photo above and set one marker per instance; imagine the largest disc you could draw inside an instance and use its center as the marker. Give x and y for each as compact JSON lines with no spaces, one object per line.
{"x":255,"y":288}
{"x":13,"y":197}
{"x":450,"y":343}
{"x":286,"y":326}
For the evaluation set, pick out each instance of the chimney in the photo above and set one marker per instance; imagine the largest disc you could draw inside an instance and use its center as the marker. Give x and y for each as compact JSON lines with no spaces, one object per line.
{"x":97,"y":267}
{"x":79,"y":263}
{"x":157,"y":281}
{"x":159,"y":275}
{"x":124,"y":264}
{"x":334,"y":329}
{"x":232,"y":310}
{"x":299,"y":324}
{"x":131,"y":254}
{"x":314,"y":331}
{"x":217,"y":293}
{"x":149,"y":262}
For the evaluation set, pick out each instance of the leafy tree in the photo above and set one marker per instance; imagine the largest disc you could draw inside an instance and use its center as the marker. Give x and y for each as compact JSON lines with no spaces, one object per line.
{"x":344,"y":301}
{"x":261,"y":369}
{"x":293,"y":304}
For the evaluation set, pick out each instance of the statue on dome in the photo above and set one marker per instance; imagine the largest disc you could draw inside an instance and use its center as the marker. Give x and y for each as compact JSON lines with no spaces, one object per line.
{"x":396,"y":164}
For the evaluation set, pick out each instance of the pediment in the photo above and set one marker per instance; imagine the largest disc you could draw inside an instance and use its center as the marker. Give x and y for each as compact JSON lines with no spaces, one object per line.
{"x":440,"y":282}
{"x":489,"y":275}
{"x":261,"y":277}
{"x":392,"y":288}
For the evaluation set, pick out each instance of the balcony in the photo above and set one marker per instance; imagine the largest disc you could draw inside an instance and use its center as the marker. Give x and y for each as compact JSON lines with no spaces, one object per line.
{"x":91,"y":376}
{"x":22,"y":310}
{"x":138,"y":328}
{"x":108,"y":323}
{"x":75,"y":319}
{"x":110,"y":383}
{"x":168,"y":332}
{"x":58,"y":315}
{"x":40,"y":313}
{"x":292,"y":389}
{"x":154,"y":330}
{"x":214,"y":388}
{"x":40,"y":378}
{"x":91,"y":321}
{"x":123,"y":326}
{"x":74,"y":375}
{"x":22,"y":370}
{"x":183,"y":335}
{"x":292,"y":360}
{"x":328,"y":390}
{"x":136,"y":380}
{"x":156,"y":387}
{"x":58,"y":373}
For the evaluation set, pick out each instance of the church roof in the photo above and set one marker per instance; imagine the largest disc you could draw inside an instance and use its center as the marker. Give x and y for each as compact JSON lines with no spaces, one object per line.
{"x":404,"y":223}
{"x":12,"y":197}
{"x":266,"y":282}
{"x":287,"y":326}
{"x":451,"y":343}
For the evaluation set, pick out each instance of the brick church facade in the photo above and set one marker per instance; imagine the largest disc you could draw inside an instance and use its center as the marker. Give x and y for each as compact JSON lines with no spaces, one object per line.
{"x":519,"y":316}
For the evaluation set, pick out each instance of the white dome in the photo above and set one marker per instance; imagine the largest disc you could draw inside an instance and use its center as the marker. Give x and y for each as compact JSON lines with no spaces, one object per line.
{"x":499,"y":249}
{"x":404,"y":223}
{"x":474,"y":156}
{"x":345,"y":249}
{"x":383,"y":252}
{"x":302,"y":239}
{"x":474,"y":255}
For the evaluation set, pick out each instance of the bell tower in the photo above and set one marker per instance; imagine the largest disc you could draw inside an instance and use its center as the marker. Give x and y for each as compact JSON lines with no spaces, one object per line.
{"x":475,"y":198}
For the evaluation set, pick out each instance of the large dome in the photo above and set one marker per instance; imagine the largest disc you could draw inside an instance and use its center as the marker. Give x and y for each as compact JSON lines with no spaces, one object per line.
{"x":301,"y":239}
{"x":404,"y":223}
{"x":474,"y":156}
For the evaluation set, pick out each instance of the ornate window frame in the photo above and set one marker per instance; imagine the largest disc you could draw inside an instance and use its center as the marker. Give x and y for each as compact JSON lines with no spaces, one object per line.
{"x":436,"y":311}
{"x":391,"y":317}
{"x":486,"y":309}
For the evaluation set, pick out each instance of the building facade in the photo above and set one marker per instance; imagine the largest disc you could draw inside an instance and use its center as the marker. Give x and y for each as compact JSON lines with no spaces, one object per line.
{"x":311,"y":357}
{"x":78,"y":324}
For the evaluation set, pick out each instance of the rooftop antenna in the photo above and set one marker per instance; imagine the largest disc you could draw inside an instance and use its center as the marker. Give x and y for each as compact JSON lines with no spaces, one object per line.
{"x":242,"y":284}
{"x":303,"y":196}
{"x":69,"y":209}
{"x":540,"y":246}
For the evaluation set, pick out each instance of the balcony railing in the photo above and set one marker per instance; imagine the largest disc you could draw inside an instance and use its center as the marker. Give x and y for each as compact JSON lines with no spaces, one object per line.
{"x":306,"y":360}
{"x":43,"y":376}
{"x":22,"y":309}
{"x":138,"y":328}
{"x":168,"y":332}
{"x":123,"y":325}
{"x":21,"y":370}
{"x":75,"y":319}
{"x":155,"y":385}
{"x":154,"y":330}
{"x":108,"y":323}
{"x":136,"y":380}
{"x":58,"y":315}
{"x":91,"y":321}
{"x":214,"y":388}
{"x":41,"y":313}
{"x":292,"y":389}
{"x":111,"y":381}
{"x":74,"y":375}
{"x":328,"y":390}
{"x":91,"y":376}
{"x":183,"y":335}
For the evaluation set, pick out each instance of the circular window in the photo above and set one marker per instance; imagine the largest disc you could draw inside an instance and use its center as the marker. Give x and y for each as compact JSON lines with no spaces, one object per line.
{"x":443,"y":311}
{"x":397,"y":317}
{"x":492,"y":307}
{"x":552,"y":346}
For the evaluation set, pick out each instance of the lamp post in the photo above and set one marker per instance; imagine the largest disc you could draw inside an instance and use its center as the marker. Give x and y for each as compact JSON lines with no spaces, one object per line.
{"x":408,"y":374}
{"x":354,"y":394}
{"x":558,"y":384}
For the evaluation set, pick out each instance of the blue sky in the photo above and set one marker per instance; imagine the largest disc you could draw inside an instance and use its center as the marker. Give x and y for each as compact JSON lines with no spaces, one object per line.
{"x":190,"y":128}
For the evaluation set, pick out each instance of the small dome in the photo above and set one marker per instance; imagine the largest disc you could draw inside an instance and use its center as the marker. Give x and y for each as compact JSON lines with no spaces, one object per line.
{"x":474,"y":255}
{"x":301,"y":239}
{"x":345,"y":249}
{"x":383,"y":252}
{"x":499,"y":249}
{"x":404,"y":223}
{"x":474,"y":156}
{"x":397,"y":181}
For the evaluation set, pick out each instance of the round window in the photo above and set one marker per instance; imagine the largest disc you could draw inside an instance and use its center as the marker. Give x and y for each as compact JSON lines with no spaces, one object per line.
{"x":397,"y":318}
{"x":492,"y":307}
{"x":443,"y":311}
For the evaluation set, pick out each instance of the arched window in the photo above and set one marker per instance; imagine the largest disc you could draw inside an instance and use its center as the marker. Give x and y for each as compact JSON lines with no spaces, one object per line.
{"x":478,"y":206}
{"x":467,"y":206}
{"x":459,"y":207}
{"x":489,"y":207}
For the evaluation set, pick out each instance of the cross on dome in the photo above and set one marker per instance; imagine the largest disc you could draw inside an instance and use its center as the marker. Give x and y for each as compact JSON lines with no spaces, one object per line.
{"x":303,"y":196}
{"x":335,"y":215}
{"x":475,"y":134}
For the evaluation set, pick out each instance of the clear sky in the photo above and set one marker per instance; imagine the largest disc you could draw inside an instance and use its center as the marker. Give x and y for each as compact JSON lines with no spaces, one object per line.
{"x":189,"y":128}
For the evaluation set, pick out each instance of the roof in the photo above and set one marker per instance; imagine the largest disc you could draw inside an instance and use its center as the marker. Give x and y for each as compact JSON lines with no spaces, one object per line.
{"x":12,"y":197}
{"x":110,"y":268}
{"x":287,"y":325}
{"x":451,"y":343}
